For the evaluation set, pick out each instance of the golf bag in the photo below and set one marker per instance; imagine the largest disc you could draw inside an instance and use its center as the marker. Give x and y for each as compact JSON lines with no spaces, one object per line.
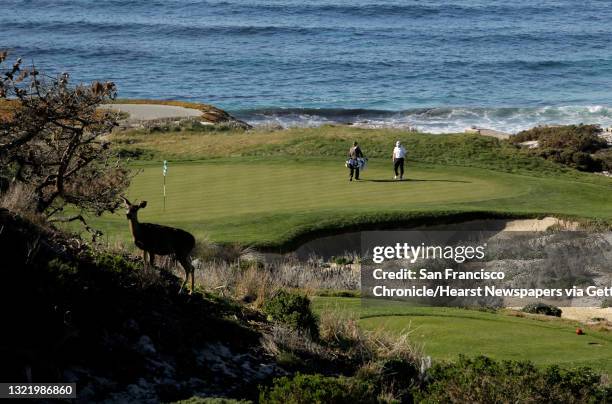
{"x":359,"y":163}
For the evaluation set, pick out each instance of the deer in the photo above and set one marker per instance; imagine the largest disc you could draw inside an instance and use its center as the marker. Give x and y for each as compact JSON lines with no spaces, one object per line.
{"x":155,"y":239}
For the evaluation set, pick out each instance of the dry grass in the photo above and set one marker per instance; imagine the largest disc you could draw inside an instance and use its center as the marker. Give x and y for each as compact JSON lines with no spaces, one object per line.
{"x":259,"y":141}
{"x":20,"y":199}
{"x":282,"y":339}
{"x":247,"y":278}
{"x":188,"y":144}
{"x":17,"y":198}
{"x":341,"y":329}
{"x":7,"y":109}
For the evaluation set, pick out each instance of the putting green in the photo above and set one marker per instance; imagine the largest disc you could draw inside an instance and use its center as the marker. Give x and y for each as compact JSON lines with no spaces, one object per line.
{"x":270,"y":201}
{"x":444,"y":333}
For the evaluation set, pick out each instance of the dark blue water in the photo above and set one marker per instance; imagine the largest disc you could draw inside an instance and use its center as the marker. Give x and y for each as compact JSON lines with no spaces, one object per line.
{"x":435,"y":64}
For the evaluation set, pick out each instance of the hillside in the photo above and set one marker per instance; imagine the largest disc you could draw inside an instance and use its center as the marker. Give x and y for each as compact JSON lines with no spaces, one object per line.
{"x":122,"y":333}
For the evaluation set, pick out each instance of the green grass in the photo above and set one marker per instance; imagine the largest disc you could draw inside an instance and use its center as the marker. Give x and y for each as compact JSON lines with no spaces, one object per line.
{"x":444,"y":333}
{"x":333,"y":141}
{"x":275,"y":201}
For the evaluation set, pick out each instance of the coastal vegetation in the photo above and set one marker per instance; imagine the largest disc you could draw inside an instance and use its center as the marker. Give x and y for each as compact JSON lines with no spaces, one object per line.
{"x":577,"y":146}
{"x":99,"y":308}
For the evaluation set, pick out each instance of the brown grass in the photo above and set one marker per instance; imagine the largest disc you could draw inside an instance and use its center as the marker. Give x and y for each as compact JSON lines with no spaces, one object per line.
{"x":248,"y":279}
{"x":20,"y":199}
{"x":7,"y":109}
{"x":259,"y":141}
{"x":185,"y":144}
{"x":341,"y":329}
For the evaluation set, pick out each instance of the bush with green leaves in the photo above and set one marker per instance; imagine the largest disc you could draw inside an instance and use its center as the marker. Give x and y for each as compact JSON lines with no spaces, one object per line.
{"x":483,"y":380}
{"x":114,"y":262}
{"x":607,"y":302}
{"x":64,"y":272}
{"x":212,"y":400}
{"x":341,"y":260}
{"x":542,"y":308}
{"x":391,"y":380}
{"x":292,"y":309}
{"x":605,"y":156}
{"x":578,"y":146}
{"x":317,"y":389}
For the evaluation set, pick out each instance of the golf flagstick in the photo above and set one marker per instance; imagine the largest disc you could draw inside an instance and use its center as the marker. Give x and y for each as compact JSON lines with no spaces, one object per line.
{"x":165,"y":171}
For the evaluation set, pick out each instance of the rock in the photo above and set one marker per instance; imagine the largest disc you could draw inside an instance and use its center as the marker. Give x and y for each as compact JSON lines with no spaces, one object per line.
{"x":530,"y":144}
{"x":487,"y":132}
{"x":149,"y":113}
{"x":145,"y":346}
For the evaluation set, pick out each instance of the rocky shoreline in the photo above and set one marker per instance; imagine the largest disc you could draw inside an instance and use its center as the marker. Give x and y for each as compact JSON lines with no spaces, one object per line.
{"x":147,"y":113}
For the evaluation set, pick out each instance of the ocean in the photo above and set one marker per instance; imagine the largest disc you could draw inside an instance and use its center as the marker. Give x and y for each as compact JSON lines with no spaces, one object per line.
{"x":436,"y":65}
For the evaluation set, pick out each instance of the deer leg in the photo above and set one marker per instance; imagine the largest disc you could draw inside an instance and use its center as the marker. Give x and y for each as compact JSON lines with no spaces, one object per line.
{"x":188,"y":270}
{"x":144,"y":258}
{"x":184,"y":280}
{"x":183,"y":285}
{"x":192,"y":279}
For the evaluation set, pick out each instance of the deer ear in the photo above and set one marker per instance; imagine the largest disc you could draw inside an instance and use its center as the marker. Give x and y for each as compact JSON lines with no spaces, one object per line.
{"x":125,"y":201}
{"x":143,"y":204}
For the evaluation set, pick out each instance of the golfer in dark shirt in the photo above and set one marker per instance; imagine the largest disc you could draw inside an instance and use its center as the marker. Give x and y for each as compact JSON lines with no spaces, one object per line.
{"x":353,"y":154}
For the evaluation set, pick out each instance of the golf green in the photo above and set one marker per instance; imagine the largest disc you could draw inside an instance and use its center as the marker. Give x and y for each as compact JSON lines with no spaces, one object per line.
{"x":271,"y":201}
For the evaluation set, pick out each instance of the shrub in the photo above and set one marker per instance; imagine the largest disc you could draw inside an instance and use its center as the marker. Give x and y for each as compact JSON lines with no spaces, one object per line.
{"x":135,"y":153}
{"x":253,"y":285}
{"x":571,"y":145}
{"x":114,"y":262}
{"x":212,"y":400}
{"x":607,"y":302}
{"x":581,"y":137}
{"x":339,"y":329}
{"x":584,"y":162}
{"x":341,"y":260}
{"x":392,"y":380}
{"x":308,"y":389}
{"x":542,"y":308}
{"x":605,"y":157}
{"x":294,"y":310}
{"x":64,"y":272}
{"x":484,"y":380}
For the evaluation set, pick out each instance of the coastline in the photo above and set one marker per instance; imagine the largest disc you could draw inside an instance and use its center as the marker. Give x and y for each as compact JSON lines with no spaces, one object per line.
{"x":434,"y":120}
{"x":426,"y":120}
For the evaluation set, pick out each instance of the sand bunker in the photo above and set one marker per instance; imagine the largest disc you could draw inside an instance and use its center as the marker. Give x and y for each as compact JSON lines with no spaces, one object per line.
{"x":586,"y":314}
{"x":539,"y":224}
{"x":151,"y":112}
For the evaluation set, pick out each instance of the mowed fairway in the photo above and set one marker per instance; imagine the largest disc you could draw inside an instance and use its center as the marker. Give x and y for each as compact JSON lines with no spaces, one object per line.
{"x":444,"y":333}
{"x":269,"y":201}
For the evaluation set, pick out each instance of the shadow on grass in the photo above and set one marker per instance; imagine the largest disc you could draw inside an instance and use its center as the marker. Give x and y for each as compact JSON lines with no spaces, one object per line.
{"x":416,"y":180}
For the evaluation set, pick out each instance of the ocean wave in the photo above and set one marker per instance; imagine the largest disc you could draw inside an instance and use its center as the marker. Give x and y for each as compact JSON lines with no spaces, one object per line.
{"x":382,"y":9}
{"x":168,"y":29}
{"x":434,"y":120}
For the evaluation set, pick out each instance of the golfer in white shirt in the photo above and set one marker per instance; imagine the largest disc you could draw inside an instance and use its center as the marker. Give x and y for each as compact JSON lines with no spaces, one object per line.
{"x":399,"y":154}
